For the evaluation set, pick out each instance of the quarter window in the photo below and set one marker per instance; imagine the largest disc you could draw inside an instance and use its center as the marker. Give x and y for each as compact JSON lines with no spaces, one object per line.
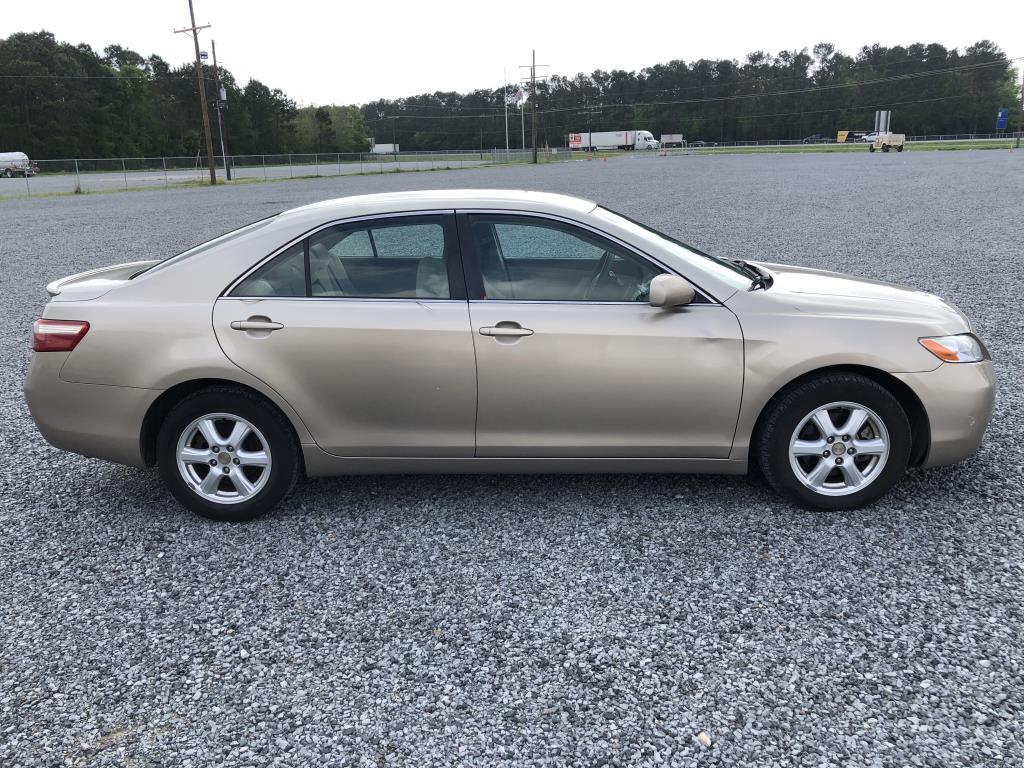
{"x":530,"y":259}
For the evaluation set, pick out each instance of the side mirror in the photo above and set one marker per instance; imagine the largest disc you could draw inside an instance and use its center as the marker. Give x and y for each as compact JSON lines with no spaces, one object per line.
{"x":670,"y":291}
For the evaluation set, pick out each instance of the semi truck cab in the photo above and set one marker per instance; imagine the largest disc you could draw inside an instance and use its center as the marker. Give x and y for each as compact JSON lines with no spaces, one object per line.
{"x":646,"y":140}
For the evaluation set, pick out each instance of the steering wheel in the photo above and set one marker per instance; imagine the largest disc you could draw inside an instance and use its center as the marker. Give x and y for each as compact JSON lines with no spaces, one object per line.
{"x":603,"y":267}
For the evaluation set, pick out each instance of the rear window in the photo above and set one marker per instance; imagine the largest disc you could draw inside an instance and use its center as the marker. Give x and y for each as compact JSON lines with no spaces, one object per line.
{"x":203,"y":247}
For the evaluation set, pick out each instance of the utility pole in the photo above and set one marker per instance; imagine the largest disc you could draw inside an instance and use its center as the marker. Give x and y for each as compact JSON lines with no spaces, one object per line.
{"x":590,"y":132}
{"x":194,"y":31}
{"x":504,"y":94}
{"x":532,"y":66}
{"x":533,"y":100}
{"x":220,"y":105}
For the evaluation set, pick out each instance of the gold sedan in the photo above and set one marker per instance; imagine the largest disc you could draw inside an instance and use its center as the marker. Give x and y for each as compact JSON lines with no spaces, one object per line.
{"x":497,"y":331}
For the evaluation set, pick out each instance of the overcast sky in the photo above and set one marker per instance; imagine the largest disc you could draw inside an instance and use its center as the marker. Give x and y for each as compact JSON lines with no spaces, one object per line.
{"x":354,"y":52}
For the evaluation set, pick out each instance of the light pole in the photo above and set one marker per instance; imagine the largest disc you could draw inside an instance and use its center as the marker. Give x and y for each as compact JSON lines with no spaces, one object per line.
{"x":1020,"y":117}
{"x":194,"y":31}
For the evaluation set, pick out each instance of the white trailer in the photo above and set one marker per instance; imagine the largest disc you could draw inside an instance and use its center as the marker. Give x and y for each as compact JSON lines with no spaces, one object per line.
{"x":597,"y":140}
{"x":16,"y":164}
{"x":882,"y":138}
{"x":886,"y":141}
{"x":384,"y":149}
{"x":672,"y":141}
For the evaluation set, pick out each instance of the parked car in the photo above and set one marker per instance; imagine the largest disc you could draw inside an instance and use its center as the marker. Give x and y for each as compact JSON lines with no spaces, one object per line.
{"x":818,"y":138}
{"x":497,"y":331}
{"x":699,"y":143}
{"x":16,"y":164}
{"x":868,"y":138}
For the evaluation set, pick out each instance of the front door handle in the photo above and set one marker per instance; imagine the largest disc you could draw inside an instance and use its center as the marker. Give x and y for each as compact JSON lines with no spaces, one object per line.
{"x":505,"y":329}
{"x":256,"y":325}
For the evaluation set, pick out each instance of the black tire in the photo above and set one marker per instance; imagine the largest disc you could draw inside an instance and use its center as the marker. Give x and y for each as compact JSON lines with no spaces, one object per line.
{"x":282,"y":445}
{"x":885,"y":147}
{"x":7,"y":173}
{"x":899,"y":148}
{"x":778,"y":424}
{"x":871,"y":148}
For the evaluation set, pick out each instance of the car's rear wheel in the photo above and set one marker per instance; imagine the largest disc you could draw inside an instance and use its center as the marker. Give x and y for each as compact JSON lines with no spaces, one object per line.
{"x":837,"y":441}
{"x":227,"y":455}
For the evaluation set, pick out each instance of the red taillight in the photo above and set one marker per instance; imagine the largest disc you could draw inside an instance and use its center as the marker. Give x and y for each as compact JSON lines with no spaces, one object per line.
{"x":57,"y":335}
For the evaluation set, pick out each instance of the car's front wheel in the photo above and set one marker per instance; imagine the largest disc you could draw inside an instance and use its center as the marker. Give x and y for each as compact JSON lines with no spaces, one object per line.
{"x":227,"y":455}
{"x":837,"y":441}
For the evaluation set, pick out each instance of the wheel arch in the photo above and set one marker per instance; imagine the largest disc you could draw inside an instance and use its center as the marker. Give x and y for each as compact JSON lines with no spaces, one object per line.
{"x":920,"y":429}
{"x":162,"y":406}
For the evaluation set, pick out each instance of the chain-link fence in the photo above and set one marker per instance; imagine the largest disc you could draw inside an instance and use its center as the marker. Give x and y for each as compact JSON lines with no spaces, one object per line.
{"x":55,"y":177}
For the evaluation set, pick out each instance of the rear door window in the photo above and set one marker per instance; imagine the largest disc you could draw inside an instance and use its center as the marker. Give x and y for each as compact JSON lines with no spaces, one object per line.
{"x":403,"y":258}
{"x":407,"y":257}
{"x":285,"y":275}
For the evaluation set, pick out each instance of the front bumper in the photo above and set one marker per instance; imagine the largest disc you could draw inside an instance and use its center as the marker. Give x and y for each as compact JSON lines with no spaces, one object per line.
{"x":958,"y":399}
{"x":96,"y":420}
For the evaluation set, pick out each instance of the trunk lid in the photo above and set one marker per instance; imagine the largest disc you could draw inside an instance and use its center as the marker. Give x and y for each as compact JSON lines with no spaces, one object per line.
{"x":96,"y":282}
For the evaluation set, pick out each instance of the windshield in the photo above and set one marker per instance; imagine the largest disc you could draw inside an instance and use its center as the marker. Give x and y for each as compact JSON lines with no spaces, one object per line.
{"x":727,"y":271}
{"x":203,"y":247}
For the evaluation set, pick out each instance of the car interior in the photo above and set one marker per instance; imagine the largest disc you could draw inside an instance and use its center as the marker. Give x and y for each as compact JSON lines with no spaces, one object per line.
{"x":520,"y":259}
{"x":542,"y":261}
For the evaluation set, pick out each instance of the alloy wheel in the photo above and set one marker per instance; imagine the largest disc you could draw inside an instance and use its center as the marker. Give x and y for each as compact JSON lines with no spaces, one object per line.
{"x":223,"y":458}
{"x":839,"y":448}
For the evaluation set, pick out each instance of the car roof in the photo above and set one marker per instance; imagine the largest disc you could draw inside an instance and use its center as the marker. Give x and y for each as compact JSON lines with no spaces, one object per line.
{"x":443,"y":199}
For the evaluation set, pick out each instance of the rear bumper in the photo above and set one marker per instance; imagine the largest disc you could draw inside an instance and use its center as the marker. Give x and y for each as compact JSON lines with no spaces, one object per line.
{"x":96,"y":420}
{"x":958,"y":399}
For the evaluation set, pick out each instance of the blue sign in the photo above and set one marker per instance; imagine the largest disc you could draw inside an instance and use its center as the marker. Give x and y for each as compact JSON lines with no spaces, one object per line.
{"x":1002,"y":119}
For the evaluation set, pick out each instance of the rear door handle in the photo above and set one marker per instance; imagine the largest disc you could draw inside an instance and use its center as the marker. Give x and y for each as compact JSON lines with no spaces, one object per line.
{"x":256,"y":325}
{"x":510,"y":329}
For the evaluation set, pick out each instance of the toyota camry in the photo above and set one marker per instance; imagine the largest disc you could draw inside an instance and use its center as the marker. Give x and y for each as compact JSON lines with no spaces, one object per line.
{"x":497,"y":331}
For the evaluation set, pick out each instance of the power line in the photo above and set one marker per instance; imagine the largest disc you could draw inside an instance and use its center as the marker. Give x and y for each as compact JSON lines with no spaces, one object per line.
{"x":734,"y":97}
{"x":762,"y":115}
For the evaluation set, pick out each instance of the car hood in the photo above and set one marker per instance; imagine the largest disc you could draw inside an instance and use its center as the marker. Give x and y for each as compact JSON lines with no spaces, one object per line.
{"x":823,"y":292}
{"x":96,"y":282}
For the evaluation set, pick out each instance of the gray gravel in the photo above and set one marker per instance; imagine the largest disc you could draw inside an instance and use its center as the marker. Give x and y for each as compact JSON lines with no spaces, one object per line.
{"x":487,"y":621}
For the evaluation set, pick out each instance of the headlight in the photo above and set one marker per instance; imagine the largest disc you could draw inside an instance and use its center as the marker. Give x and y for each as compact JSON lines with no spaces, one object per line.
{"x":962,"y":348}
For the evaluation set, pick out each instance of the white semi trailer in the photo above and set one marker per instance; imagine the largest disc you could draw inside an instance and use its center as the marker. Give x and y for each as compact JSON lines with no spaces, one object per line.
{"x":596,"y":140}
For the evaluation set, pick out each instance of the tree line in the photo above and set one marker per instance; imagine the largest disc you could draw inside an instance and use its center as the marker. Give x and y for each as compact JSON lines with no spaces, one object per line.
{"x":63,"y":100}
{"x":789,"y":95}
{"x":59,"y":100}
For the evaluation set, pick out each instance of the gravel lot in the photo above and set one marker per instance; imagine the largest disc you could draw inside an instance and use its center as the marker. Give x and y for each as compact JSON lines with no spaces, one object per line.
{"x":488,"y":621}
